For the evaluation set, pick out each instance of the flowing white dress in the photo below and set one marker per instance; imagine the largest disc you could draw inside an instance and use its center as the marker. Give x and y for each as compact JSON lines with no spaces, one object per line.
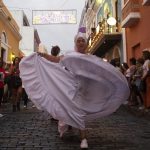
{"x":80,"y":87}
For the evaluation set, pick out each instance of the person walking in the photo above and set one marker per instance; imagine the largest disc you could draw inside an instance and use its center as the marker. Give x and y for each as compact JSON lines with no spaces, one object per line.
{"x":55,"y":51}
{"x":136,"y":80}
{"x":129,"y":75}
{"x":16,"y":84}
{"x":144,"y":86}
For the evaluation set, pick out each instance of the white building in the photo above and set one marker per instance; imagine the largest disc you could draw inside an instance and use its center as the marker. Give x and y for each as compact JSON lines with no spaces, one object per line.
{"x":30,"y":38}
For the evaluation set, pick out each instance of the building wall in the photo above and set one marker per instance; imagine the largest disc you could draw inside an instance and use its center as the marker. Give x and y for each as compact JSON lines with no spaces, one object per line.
{"x":27,"y":43}
{"x":109,"y":6}
{"x":138,"y":36}
{"x":9,"y":27}
{"x":13,"y":42}
{"x":137,"y":39}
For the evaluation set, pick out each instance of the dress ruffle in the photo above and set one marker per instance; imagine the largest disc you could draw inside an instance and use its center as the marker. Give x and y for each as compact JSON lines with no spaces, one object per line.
{"x":79,"y":88}
{"x":103,"y":88}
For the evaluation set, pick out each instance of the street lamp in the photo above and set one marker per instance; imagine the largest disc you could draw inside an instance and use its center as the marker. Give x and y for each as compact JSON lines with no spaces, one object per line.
{"x":111,"y":21}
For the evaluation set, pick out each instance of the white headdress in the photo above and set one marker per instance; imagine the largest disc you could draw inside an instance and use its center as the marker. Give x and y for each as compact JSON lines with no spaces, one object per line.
{"x":82,"y":35}
{"x":79,"y":35}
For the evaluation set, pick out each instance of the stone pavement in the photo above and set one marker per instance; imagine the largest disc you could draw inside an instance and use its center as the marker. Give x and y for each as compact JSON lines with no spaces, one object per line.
{"x":31,"y":129}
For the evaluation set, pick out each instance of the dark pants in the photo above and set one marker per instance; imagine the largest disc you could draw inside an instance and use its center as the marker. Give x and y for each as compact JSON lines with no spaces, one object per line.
{"x":137,"y":93}
{"x":1,"y":95}
{"x":24,"y":97}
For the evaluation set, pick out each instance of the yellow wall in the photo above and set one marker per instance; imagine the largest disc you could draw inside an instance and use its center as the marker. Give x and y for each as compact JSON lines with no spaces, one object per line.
{"x":13,"y":40}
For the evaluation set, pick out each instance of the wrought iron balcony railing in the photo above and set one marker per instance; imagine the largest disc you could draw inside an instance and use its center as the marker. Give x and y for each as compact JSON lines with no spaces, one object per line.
{"x":100,"y":31}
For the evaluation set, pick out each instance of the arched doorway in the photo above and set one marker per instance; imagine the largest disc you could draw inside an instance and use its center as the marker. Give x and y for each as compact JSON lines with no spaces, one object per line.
{"x":116,"y":52}
{"x":4,"y":47}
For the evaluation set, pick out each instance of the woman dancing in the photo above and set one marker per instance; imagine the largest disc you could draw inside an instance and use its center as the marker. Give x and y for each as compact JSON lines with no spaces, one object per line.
{"x":78,"y":84}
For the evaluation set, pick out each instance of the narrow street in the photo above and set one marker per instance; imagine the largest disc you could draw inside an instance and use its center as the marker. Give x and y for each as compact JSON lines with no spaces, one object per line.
{"x":31,"y":129}
{"x":75,"y":58}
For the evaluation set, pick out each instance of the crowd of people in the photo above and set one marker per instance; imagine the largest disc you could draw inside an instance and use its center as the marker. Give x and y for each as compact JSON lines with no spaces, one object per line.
{"x":136,"y":73}
{"x":11,"y":87}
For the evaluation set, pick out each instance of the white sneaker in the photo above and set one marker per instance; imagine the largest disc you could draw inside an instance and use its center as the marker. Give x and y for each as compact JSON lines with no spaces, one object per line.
{"x":1,"y":115}
{"x":84,"y":144}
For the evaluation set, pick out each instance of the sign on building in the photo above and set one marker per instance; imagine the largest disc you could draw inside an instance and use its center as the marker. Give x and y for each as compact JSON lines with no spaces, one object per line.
{"x":42,"y":17}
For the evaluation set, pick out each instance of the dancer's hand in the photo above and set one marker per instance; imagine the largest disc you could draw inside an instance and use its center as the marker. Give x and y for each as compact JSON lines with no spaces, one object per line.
{"x":42,"y":54}
{"x":49,"y":57}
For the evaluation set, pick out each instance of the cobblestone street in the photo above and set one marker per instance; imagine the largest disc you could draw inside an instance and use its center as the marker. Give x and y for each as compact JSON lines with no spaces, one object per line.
{"x":31,"y":129}
{"x":79,"y":60}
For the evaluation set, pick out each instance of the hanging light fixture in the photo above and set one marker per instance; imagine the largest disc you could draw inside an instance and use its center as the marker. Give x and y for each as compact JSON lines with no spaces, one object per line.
{"x":111,"y":21}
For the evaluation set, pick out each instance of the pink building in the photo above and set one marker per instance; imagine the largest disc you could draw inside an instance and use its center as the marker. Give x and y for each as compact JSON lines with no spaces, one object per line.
{"x":136,"y":21}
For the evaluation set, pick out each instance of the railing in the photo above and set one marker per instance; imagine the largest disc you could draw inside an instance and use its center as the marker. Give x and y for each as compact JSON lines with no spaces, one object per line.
{"x":102,"y":28}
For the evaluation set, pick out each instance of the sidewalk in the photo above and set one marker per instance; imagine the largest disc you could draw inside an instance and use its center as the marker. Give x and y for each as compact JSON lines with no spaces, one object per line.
{"x":136,"y":111}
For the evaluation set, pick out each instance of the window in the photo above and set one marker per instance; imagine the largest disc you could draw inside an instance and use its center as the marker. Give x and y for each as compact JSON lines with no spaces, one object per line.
{"x":3,"y":37}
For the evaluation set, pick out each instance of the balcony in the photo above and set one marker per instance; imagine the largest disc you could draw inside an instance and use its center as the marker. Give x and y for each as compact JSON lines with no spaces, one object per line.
{"x":103,"y":38}
{"x":146,"y":2}
{"x":130,"y":13}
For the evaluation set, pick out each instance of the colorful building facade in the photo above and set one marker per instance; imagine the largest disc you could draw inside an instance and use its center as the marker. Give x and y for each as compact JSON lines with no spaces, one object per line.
{"x":105,"y":39}
{"x":9,"y":35}
{"x":136,"y":21}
